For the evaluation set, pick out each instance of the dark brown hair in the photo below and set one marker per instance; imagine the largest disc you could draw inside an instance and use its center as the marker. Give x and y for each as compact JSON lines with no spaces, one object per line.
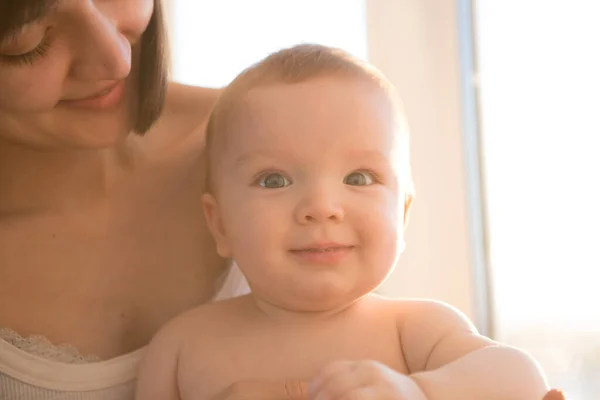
{"x":153,"y":54}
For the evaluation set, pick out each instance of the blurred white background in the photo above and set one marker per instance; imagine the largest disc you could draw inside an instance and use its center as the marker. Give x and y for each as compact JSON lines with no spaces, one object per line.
{"x":215,"y":40}
{"x":540,"y":106}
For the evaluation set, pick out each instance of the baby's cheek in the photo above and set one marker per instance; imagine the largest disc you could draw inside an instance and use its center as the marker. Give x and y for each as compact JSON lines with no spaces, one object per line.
{"x":259,"y":223}
{"x":388,"y":214}
{"x":384,"y":230}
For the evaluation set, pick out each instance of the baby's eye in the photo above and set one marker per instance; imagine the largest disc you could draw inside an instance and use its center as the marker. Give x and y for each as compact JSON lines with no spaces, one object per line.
{"x":359,"y":178}
{"x":273,"y":181}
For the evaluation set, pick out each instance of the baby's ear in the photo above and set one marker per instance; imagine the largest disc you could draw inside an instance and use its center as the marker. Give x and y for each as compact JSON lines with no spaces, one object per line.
{"x":214,"y":222}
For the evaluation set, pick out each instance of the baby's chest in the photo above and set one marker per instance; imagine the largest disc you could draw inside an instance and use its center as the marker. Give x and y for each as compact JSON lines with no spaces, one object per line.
{"x":290,"y":356}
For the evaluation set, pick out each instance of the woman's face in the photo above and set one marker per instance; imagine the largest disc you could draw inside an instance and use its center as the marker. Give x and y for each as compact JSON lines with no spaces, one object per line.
{"x":65,"y":78}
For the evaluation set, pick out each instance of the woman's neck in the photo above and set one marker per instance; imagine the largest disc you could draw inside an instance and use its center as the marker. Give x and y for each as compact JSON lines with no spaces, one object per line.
{"x":38,"y":180}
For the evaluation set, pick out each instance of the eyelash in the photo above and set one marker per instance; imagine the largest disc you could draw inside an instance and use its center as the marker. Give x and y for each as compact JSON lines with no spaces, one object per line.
{"x":265,"y":173}
{"x":31,"y":56}
{"x":375,"y":175}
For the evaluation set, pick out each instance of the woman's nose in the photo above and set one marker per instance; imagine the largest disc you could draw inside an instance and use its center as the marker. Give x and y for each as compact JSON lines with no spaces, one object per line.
{"x":102,"y":51}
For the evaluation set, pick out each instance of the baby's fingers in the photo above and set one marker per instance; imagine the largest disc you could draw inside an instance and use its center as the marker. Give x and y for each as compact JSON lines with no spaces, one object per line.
{"x":345,"y":380}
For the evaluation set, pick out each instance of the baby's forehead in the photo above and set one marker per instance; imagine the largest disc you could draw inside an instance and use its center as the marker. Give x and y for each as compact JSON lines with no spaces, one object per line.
{"x":326,"y":104}
{"x":316,"y":97}
{"x":276,"y":127}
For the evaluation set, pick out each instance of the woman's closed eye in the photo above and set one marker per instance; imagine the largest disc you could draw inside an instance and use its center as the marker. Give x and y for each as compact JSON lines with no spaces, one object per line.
{"x":31,"y":41}
{"x":26,"y":57}
{"x":360,"y":178}
{"x":273,"y":180}
{"x":29,"y":57}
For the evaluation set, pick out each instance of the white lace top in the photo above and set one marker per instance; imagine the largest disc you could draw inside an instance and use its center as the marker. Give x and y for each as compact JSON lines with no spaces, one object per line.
{"x":32,"y":368}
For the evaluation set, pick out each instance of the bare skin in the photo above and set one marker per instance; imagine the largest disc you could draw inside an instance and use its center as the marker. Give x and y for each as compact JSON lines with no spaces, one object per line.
{"x":102,"y":233}
{"x":105,"y":246}
{"x":285,"y":346}
{"x":314,"y":245}
{"x":202,"y":355}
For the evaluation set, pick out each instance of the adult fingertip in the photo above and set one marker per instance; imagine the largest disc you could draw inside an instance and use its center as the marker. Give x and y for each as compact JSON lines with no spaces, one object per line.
{"x":297,"y":390}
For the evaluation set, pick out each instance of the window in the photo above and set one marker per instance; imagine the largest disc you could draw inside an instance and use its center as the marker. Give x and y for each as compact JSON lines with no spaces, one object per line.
{"x":538,"y":76}
{"x":213,"y":41}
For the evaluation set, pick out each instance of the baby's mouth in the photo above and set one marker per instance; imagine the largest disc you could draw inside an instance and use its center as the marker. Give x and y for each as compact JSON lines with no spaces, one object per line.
{"x":323,"y":250}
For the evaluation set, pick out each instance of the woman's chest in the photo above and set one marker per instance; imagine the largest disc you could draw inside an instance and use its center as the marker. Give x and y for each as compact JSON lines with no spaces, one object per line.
{"x":106,"y":277}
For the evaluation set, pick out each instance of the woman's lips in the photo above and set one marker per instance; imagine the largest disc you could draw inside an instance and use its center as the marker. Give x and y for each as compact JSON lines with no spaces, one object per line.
{"x":103,"y":100}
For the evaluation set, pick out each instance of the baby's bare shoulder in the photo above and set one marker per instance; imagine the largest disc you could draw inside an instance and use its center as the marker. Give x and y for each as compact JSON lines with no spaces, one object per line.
{"x":211,"y":339}
{"x":414,"y":313}
{"x":433,"y":333}
{"x":420,"y":313}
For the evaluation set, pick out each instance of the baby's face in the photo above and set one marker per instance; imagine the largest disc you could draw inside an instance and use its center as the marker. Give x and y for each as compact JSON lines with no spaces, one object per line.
{"x":309,"y":201}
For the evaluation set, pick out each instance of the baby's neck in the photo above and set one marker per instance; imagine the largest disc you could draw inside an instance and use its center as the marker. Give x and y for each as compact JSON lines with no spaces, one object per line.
{"x":277,"y":313}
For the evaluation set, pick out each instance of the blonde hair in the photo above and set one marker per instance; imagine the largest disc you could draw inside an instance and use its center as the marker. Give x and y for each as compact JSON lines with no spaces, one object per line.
{"x":288,"y":66}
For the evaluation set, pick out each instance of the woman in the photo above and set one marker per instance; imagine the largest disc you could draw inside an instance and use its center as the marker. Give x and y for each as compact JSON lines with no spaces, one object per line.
{"x":102,"y":237}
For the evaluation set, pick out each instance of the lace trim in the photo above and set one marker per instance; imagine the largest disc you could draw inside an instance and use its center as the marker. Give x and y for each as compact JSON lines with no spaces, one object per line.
{"x":230,"y":284}
{"x":40,"y":346}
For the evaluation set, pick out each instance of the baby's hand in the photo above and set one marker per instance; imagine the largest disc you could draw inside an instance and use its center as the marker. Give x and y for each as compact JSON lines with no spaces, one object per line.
{"x":363,"y":380}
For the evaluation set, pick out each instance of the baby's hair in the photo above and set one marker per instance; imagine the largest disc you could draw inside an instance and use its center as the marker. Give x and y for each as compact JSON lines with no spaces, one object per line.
{"x":290,"y":65}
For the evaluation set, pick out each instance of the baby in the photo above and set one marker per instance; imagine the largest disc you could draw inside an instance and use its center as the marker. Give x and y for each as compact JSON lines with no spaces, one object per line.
{"x":309,"y":192}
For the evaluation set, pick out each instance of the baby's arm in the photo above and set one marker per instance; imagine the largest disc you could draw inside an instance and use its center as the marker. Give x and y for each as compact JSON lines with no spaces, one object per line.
{"x":448,"y":359}
{"x":157,"y":376}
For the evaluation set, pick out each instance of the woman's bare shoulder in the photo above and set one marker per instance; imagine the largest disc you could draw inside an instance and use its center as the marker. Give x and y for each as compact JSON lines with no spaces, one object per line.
{"x":191,"y":101}
{"x":181,"y":127}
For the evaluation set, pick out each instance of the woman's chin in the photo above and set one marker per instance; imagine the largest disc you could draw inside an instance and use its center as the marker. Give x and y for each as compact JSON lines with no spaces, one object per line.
{"x":94,"y":131}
